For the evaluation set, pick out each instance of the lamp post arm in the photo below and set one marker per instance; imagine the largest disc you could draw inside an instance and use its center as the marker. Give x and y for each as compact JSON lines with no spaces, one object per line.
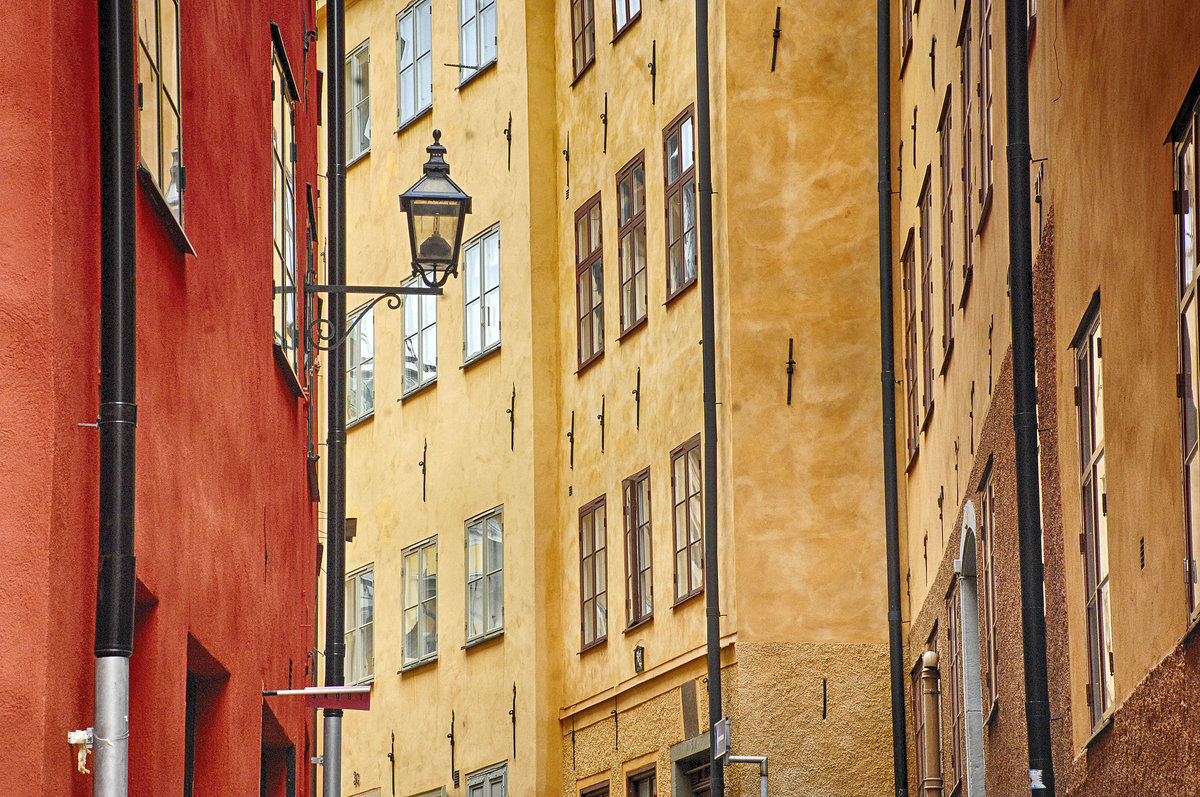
{"x":321,"y":330}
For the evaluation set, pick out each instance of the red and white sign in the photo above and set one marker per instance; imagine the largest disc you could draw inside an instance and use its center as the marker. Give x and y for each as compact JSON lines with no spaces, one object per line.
{"x":347,"y":697}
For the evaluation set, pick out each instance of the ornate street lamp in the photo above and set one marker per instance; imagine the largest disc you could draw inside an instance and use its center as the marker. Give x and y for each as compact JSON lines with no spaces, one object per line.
{"x":436,"y":208}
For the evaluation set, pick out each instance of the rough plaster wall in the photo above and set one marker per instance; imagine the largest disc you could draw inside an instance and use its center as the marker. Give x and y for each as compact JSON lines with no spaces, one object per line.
{"x":779,"y":714}
{"x":651,"y":727}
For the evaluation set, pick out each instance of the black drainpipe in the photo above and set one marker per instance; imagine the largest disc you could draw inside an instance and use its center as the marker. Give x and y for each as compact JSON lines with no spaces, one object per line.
{"x":709,"y":340}
{"x":888,"y":376}
{"x":335,"y":516}
{"x":118,"y":387}
{"x":1029,"y":520}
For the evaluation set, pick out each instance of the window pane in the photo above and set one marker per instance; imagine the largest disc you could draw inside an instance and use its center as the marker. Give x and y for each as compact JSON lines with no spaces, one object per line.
{"x":639,"y":188}
{"x":351,"y":608}
{"x":487,"y":31}
{"x":495,"y":601}
{"x":148,"y":137}
{"x":495,"y":544}
{"x":491,"y":257}
{"x":491,"y":317}
{"x":686,"y":144}
{"x":1188,"y":352}
{"x":673,"y":167}
{"x":1188,"y":206}
{"x":471,"y":275}
{"x":412,"y":579}
{"x":429,"y":354}
{"x":169,"y":50}
{"x":411,"y":651}
{"x":366,"y":596}
{"x":474,"y":550}
{"x":475,"y":608}
{"x":474,"y":329}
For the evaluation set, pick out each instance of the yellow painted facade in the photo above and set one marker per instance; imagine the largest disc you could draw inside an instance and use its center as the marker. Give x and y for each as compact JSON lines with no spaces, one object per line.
{"x":800,"y":490}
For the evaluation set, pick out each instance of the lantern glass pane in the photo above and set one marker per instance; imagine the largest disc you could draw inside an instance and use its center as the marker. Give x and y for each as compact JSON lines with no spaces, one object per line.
{"x":435,"y":228}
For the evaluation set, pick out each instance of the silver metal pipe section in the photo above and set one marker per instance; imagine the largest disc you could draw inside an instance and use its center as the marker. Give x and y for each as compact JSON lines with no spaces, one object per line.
{"x":761,"y":760}
{"x":331,"y":780}
{"x":111,"y":732}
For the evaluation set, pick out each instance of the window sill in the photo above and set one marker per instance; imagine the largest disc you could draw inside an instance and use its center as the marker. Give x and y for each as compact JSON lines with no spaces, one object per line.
{"x":682,"y":290}
{"x":599,"y":643}
{"x":913,"y":453}
{"x":412,"y":120}
{"x":589,"y":362}
{"x":617,"y":34}
{"x":992,"y":712}
{"x":687,"y":598}
{"x":489,"y":66}
{"x":418,"y":390}
{"x":985,"y":212}
{"x":482,"y":640}
{"x":360,"y":420}
{"x":289,"y":375}
{"x":968,"y":275}
{"x":1193,"y":624}
{"x":928,"y":417}
{"x":1104,"y":724}
{"x":163,"y":211}
{"x":359,"y":158}
{"x":417,"y":665}
{"x":946,"y":357}
{"x":904,"y":59}
{"x":638,"y":623}
{"x":486,"y":354}
{"x":639,"y":324}
{"x":579,"y":75}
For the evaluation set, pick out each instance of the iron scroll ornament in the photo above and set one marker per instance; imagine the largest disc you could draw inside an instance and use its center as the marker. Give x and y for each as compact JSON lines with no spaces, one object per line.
{"x":321,"y":330}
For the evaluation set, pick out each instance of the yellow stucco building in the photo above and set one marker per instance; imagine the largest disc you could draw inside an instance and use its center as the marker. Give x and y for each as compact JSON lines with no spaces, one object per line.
{"x":524,"y":460}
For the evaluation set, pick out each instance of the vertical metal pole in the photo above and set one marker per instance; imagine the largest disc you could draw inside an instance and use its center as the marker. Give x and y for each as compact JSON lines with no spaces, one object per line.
{"x":1029,"y":519}
{"x":118,"y":388}
{"x":335,"y":541}
{"x":712,"y":601}
{"x":887,"y":354}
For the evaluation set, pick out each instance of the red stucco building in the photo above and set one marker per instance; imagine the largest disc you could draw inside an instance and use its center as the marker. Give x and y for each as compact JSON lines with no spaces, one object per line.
{"x":226,"y":531}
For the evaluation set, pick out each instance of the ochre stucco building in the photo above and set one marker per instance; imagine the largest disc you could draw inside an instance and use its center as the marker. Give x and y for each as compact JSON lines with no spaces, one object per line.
{"x":524,"y":458}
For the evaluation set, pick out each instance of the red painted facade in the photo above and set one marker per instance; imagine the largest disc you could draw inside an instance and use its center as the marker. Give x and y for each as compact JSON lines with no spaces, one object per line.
{"x":226,"y":533}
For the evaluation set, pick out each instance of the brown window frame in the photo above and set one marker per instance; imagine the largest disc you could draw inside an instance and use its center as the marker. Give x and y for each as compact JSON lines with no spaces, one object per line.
{"x":635,"y":779}
{"x":594,"y":562}
{"x":986,"y":96}
{"x":583,"y":34}
{"x":685,"y":181}
{"x":588,"y":262}
{"x":906,"y":32}
{"x":632,"y":228}
{"x":911,"y":357}
{"x":987,"y":593}
{"x":947,"y":249}
{"x":691,"y":500}
{"x":1187,"y":283}
{"x":597,"y":790}
{"x":925,"y":215}
{"x":967,"y":95}
{"x":639,"y":558}
{"x":630,"y":18}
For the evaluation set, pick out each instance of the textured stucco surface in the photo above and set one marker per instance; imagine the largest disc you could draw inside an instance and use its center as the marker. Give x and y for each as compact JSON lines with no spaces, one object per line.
{"x":225,"y":533}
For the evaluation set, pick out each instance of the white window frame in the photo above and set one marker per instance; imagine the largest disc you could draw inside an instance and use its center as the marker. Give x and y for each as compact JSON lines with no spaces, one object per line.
{"x":490,"y":621}
{"x":489,"y":782}
{"x":481,"y":294}
{"x":419,"y":600}
{"x":360,"y":628}
{"x":159,"y":103}
{"x":476,"y":18}
{"x":358,"y":102}
{"x":414,"y":60}
{"x":420,"y":340}
{"x":283,"y":210}
{"x":360,"y":364}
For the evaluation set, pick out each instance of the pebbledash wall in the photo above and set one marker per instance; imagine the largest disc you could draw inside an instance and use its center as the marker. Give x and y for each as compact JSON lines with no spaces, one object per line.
{"x":1106,"y":86}
{"x":225,"y":525}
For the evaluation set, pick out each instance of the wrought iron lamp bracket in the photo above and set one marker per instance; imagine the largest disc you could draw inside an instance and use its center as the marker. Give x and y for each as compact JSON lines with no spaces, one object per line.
{"x":321,"y":330}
